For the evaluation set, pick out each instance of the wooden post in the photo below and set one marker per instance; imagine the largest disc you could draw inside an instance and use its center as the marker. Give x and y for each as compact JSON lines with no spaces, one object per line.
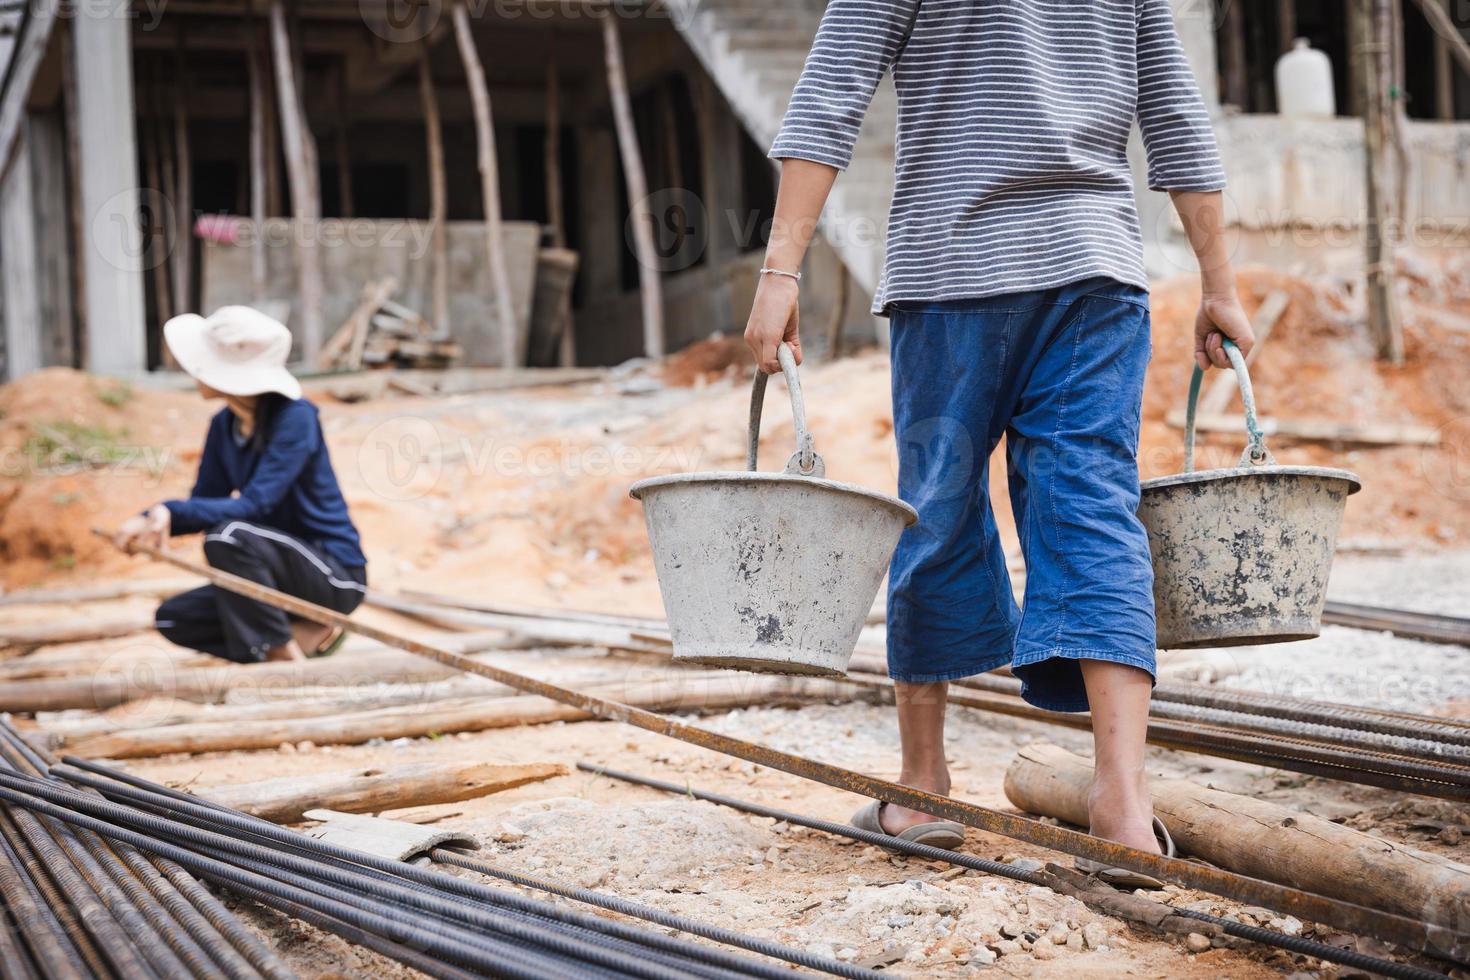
{"x":301,"y":167}
{"x":512,"y":339}
{"x":258,"y":158}
{"x":1234,"y":69}
{"x":1286,"y":23}
{"x":183,"y":186}
{"x":433,"y":135}
{"x":555,"y":213}
{"x":76,"y":227}
{"x":1383,"y":313}
{"x":157,"y":240}
{"x":637,"y":183}
{"x":344,"y":151}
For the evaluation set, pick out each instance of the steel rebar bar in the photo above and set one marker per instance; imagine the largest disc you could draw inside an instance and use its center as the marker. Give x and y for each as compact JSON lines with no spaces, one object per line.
{"x":1295,"y":944}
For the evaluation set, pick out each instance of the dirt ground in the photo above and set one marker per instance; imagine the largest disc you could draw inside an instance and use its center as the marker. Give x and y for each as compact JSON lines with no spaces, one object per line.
{"x":521,"y":497}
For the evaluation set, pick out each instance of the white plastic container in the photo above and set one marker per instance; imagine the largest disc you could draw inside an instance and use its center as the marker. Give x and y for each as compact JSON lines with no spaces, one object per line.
{"x":1304,"y":83}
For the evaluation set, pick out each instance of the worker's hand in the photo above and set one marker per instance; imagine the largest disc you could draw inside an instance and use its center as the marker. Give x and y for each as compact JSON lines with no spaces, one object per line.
{"x":774,"y":317}
{"x":1220,"y":316}
{"x":149,"y":529}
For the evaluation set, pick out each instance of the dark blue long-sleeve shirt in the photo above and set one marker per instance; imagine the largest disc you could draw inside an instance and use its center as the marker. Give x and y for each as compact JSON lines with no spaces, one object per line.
{"x":289,"y":485}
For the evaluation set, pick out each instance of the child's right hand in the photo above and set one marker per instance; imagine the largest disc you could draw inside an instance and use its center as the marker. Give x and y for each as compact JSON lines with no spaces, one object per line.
{"x":146,"y":529}
{"x":774,"y":317}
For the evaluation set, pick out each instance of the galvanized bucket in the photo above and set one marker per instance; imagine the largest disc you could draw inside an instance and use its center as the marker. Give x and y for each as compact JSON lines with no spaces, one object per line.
{"x":769,"y":572}
{"x":1242,"y":555}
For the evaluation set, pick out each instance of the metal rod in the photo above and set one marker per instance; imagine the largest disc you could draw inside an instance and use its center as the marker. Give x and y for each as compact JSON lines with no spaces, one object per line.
{"x":1265,"y":937}
{"x":1422,"y":937}
{"x":492,"y":918}
{"x":622,"y":906}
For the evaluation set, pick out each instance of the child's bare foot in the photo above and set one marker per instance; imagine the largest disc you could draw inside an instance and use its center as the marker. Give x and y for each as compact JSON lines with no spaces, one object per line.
{"x":895,"y":819}
{"x":308,"y":635}
{"x":290,"y":650}
{"x":1120,"y":809}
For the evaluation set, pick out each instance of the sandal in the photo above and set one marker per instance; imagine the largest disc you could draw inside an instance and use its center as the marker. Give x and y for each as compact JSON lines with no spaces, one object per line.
{"x":330,"y":645}
{"x":1122,"y":877}
{"x":943,"y":834}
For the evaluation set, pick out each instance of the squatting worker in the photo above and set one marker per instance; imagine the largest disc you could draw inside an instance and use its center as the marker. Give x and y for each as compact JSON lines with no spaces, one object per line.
{"x":266,"y":498}
{"x":1018,"y":304}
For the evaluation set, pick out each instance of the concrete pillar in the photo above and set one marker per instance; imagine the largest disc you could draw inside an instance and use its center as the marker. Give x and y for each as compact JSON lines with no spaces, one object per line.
{"x":18,"y":274}
{"x":111,"y":249}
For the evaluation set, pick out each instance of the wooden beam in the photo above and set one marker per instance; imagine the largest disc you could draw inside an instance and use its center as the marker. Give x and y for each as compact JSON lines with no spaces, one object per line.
{"x":438,"y":198}
{"x":259,"y":158}
{"x":512,"y":339}
{"x":301,"y":169}
{"x":183,"y":188}
{"x":565,"y":325}
{"x":286,"y":799}
{"x":637,"y":185}
{"x":1286,"y":24}
{"x":1261,"y":839}
{"x":1233,"y":68}
{"x":344,"y":150}
{"x":1445,"y":31}
{"x":1383,"y":309}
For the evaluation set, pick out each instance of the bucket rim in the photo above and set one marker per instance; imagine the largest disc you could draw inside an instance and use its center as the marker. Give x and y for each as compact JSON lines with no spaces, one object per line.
{"x":1207,"y":476}
{"x":898,"y":507}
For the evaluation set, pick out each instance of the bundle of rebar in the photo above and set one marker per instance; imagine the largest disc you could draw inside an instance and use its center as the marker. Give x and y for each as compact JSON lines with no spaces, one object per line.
{"x":438,"y":923}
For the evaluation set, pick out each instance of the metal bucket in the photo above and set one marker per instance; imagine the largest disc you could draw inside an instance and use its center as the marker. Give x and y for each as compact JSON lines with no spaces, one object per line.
{"x":769,"y":572}
{"x":1242,"y":555}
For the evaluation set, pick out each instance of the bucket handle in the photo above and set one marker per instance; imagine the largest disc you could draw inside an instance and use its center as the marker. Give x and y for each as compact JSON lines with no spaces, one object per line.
{"x":1256,"y":453}
{"x":805,"y":461}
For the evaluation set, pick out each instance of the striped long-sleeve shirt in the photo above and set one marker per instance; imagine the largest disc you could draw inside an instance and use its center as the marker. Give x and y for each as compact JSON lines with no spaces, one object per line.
{"x":1013,"y":126}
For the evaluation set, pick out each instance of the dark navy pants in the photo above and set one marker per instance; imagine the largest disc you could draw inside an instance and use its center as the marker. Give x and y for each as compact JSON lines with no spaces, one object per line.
{"x":229,"y":625}
{"x":1059,"y":373}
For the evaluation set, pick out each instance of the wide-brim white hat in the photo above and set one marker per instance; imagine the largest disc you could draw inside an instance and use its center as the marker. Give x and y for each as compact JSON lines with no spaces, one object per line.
{"x":236,"y":350}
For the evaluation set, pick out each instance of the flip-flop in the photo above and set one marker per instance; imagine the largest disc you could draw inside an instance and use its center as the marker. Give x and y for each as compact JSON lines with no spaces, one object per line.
{"x":1122,"y":877}
{"x":943,"y":834}
{"x":330,"y":645}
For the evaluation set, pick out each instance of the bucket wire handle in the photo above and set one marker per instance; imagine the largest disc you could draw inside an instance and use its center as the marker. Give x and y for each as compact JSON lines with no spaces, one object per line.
{"x":805,"y":461}
{"x":1256,"y":453}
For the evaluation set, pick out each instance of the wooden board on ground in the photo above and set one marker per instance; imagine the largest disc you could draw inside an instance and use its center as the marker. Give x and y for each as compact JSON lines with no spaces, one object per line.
{"x":287,"y":798}
{"x":1262,"y":839}
{"x":391,"y":839}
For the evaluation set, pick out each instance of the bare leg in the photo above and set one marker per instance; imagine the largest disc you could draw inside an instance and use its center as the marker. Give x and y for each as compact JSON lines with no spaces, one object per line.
{"x":921,"y":732}
{"x":1118,"y":802}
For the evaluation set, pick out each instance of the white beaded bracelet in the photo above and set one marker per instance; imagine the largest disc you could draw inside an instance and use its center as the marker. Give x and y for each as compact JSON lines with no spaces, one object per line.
{"x":766,"y":271}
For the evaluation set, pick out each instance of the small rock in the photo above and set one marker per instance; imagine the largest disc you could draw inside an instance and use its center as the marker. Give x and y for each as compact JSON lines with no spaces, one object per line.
{"x":1044,"y":951}
{"x":1027,"y":864}
{"x":1007,"y":947}
{"x":1450,"y":835}
{"x":1094,"y":934}
{"x":1074,"y":941}
{"x":773,"y":855}
{"x":305,"y":746}
{"x":982,"y":955}
{"x":1197,"y":942}
{"x":1289,"y":924}
{"x":1011,"y":929}
{"x":1057,"y":934}
{"x":287,"y":748}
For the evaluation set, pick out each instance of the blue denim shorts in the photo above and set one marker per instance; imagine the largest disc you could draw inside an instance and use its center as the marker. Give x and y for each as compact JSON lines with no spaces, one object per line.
{"x":1059,"y":373}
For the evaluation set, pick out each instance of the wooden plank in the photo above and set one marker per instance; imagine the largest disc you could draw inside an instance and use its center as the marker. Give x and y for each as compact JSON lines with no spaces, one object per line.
{"x":637,"y":182}
{"x":98,"y":593}
{"x":1318,"y":430}
{"x":352,"y":335}
{"x":1261,"y":839}
{"x":286,"y":799}
{"x":47,"y":634}
{"x":512,"y":340}
{"x":301,"y":168}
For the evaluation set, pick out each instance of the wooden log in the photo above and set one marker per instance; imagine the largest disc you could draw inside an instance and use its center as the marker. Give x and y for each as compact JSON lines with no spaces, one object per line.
{"x":512,"y":343}
{"x":98,"y":593}
{"x":1446,"y":31}
{"x":47,"y":634}
{"x":564,"y":326}
{"x":103,"y":690}
{"x":637,"y":184}
{"x":301,"y":168}
{"x":1383,"y":309}
{"x":1261,"y":839}
{"x":438,"y":197}
{"x":287,"y":798}
{"x":346,"y":343}
{"x":461,"y":715}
